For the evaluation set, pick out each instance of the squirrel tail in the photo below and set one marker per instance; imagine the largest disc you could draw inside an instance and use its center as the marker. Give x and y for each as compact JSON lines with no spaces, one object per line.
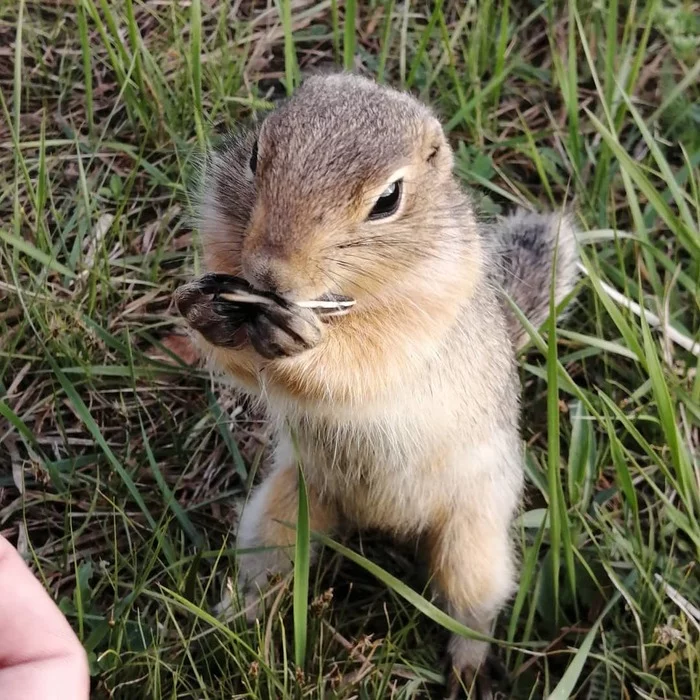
{"x":525,"y":246}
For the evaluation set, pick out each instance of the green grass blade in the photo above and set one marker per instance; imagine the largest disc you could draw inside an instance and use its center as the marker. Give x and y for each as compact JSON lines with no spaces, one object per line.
{"x":32,"y":251}
{"x":527,"y":580}
{"x":18,"y":64}
{"x":89,"y":422}
{"x":571,"y":92}
{"x":168,"y":496}
{"x":290,"y":60}
{"x":667,"y":418}
{"x":349,"y":35}
{"x":554,"y":488}
{"x":668,"y":175}
{"x":222,"y":423}
{"x":335,"y":23}
{"x":624,"y":478}
{"x":302,"y":556}
{"x":581,"y":464}
{"x":415,"y":599}
{"x":196,"y":67}
{"x":566,"y":686}
{"x":21,"y":427}
{"x":423,"y":44}
{"x":385,"y":41}
{"x":615,"y":314}
{"x":691,"y":241}
{"x":611,"y":49}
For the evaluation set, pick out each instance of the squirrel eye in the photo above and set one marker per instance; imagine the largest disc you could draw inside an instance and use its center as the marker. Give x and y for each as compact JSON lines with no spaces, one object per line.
{"x":387,"y":202}
{"x":254,"y":158}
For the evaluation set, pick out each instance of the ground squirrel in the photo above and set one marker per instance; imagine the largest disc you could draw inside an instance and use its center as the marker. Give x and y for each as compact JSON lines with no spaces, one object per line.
{"x":405,"y":409}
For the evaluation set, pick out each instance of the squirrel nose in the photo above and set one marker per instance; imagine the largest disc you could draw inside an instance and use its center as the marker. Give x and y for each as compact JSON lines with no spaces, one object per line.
{"x":267,"y":270}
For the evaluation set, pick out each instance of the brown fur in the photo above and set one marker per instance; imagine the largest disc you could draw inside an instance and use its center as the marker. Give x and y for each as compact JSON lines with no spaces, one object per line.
{"x":405,"y":410}
{"x":282,"y":505}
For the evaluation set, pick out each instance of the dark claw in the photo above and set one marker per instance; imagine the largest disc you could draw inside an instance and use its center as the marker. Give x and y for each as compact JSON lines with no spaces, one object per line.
{"x":496,"y":671}
{"x":265,"y":341}
{"x":275,"y":330}
{"x":291,"y":325}
{"x":278,"y":333}
{"x":236,"y":314}
{"x":212,"y":285}
{"x":218,"y":330}
{"x":186,"y":296}
{"x":216,"y":283}
{"x":194,"y":303}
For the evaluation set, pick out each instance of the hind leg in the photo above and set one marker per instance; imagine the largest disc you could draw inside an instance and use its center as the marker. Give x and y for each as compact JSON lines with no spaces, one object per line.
{"x":472,"y":558}
{"x":268,"y":522}
{"x":473,"y":570}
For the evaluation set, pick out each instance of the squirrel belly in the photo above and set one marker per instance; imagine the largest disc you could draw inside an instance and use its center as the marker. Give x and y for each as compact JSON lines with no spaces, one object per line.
{"x":397,"y":463}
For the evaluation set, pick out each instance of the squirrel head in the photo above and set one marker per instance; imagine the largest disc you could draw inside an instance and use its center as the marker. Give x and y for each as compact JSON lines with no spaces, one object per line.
{"x":346,"y":188}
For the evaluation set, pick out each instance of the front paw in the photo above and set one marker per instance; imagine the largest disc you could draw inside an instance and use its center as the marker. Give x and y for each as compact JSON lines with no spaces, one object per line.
{"x":280,"y":332}
{"x":203,"y":314}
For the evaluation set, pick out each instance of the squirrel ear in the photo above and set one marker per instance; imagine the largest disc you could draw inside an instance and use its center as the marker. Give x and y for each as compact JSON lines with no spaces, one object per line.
{"x":436,"y":150}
